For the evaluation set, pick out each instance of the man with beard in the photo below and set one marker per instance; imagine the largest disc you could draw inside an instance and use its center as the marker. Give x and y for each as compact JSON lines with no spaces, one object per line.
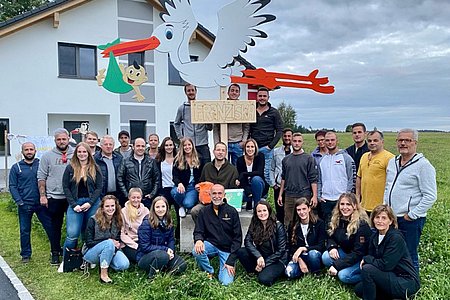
{"x":197,"y":132}
{"x":51,"y":169}
{"x":298,"y":179}
{"x":275,"y":170}
{"x":139,"y":170}
{"x":153,"y":142}
{"x":219,"y":171}
{"x":217,"y":232}
{"x":371,"y":175}
{"x":268,"y":128}
{"x":337,"y":175}
{"x":125,"y":149}
{"x":237,"y":132}
{"x":25,"y":192}
{"x":410,"y":189}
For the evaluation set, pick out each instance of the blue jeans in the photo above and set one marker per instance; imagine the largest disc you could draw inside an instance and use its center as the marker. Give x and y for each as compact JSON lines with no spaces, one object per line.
{"x":349,"y":275}
{"x":312,"y":259}
{"x":105,"y":253}
{"x":268,"y":155}
{"x":204,"y":264}
{"x":257,"y":186}
{"x":25,"y":215}
{"x":412,"y":230}
{"x":76,"y":223}
{"x":234,"y":151}
{"x":187,"y":199}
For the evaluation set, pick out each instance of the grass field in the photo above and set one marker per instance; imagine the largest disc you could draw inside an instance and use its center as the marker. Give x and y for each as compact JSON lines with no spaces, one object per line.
{"x":45,"y":283}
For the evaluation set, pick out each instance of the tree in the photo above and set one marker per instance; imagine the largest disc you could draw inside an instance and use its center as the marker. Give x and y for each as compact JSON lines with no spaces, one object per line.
{"x":288,"y":114}
{"x":12,"y":8}
{"x":348,"y":128}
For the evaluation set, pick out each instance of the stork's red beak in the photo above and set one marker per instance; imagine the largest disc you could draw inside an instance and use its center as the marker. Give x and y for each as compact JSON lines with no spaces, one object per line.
{"x":132,"y":47}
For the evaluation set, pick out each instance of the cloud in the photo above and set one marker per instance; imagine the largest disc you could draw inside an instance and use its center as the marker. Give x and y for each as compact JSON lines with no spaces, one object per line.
{"x":388,"y":60}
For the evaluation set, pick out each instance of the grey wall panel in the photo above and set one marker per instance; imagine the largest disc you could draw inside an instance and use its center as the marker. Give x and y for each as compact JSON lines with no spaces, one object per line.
{"x":147,"y":91}
{"x":137,"y":112}
{"x":134,"y":30}
{"x":135,"y":10}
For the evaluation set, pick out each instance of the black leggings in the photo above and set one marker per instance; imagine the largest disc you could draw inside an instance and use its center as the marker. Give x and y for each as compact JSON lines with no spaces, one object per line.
{"x":377,"y":284}
{"x":268,"y":275}
{"x":157,"y":260}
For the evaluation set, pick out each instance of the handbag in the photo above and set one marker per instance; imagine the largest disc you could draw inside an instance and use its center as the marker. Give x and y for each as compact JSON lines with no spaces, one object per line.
{"x":73,"y":259}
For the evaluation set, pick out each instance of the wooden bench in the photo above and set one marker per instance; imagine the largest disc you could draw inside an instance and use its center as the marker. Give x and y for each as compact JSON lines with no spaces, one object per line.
{"x":187,"y":230}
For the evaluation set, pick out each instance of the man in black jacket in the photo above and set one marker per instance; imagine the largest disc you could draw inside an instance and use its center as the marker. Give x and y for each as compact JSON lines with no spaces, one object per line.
{"x":109,"y":161}
{"x":139,"y":170}
{"x":218,"y":232}
{"x":268,"y":128}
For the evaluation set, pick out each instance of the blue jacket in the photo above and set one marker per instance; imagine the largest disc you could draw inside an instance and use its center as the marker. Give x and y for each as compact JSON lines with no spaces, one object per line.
{"x":116,"y":159}
{"x":151,"y":239}
{"x":23,"y":183}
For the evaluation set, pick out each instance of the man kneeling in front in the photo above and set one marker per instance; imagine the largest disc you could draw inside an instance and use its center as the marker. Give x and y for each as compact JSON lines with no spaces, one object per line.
{"x":217,"y":232}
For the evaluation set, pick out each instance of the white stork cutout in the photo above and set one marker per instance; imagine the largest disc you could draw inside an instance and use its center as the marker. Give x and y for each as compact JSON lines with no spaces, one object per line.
{"x":237,"y":28}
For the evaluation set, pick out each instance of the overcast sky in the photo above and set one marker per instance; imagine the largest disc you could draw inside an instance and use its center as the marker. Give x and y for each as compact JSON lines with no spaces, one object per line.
{"x":388,"y":60}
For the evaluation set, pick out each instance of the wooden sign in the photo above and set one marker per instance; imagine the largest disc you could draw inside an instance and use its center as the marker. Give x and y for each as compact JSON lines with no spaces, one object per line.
{"x":223,"y":111}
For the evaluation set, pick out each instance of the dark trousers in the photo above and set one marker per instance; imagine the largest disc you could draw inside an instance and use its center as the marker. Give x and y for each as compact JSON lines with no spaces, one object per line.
{"x":204,"y":154}
{"x":130,"y":253}
{"x":158,"y":260}
{"x":326,"y":210}
{"x":56,"y":210}
{"x":279,"y":209}
{"x":25,"y":216}
{"x":268,"y":275}
{"x":377,"y":284}
{"x":412,"y":230}
{"x":165,"y":191}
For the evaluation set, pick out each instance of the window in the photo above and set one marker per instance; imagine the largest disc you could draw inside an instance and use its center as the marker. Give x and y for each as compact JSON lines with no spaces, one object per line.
{"x":174,"y":75}
{"x":77,"y":61}
{"x":4,"y":125}
{"x":139,"y":57}
{"x":72,"y":125}
{"x":138,"y":129}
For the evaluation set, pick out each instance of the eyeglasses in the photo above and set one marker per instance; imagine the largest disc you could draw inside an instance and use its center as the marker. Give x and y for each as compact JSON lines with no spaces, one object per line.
{"x":406,"y":141}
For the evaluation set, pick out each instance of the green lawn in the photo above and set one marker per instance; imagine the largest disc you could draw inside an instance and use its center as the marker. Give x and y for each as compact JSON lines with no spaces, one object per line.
{"x":45,"y":283}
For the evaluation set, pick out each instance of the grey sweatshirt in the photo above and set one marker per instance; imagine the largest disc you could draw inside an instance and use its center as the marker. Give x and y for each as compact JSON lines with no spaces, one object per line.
{"x":184,"y":127}
{"x":51,"y":169}
{"x":412,"y":188}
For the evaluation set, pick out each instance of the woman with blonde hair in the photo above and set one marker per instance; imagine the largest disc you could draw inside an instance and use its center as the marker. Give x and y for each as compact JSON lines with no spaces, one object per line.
{"x":133,"y":214}
{"x":186,"y":173}
{"x":387,"y":270}
{"x":82,"y":183}
{"x":156,"y":250}
{"x":103,"y":238}
{"x":349,"y":233}
{"x":250,"y":167}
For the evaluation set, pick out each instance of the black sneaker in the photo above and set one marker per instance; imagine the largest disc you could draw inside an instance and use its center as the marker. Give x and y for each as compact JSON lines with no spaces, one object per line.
{"x":25,"y":260}
{"x":54,"y":261}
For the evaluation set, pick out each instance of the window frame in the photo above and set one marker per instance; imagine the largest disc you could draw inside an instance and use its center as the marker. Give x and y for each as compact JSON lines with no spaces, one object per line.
{"x":2,"y":145}
{"x":77,"y":61}
{"x":173,"y":74}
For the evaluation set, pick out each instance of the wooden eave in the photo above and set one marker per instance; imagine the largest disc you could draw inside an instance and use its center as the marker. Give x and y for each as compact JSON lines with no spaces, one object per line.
{"x":50,"y":13}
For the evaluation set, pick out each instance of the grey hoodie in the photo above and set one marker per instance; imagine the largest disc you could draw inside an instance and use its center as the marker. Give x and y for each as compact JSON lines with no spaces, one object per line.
{"x":337,"y":175}
{"x":184,"y":127}
{"x":51,"y":169}
{"x":412,"y":188}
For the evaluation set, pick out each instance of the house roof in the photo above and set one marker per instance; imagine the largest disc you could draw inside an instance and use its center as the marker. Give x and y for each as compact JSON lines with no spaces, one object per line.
{"x":53,"y":9}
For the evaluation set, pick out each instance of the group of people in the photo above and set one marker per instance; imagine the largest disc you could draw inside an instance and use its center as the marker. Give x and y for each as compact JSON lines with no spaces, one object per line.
{"x":119,"y":199}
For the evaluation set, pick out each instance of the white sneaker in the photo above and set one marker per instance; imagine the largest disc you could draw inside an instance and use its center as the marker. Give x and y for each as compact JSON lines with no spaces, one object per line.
{"x":61,"y":268}
{"x":182,"y":212}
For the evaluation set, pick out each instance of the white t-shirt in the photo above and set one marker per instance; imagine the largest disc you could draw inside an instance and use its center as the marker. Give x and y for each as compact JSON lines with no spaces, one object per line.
{"x":380,"y":238}
{"x":305,"y":232}
{"x":166,"y":174}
